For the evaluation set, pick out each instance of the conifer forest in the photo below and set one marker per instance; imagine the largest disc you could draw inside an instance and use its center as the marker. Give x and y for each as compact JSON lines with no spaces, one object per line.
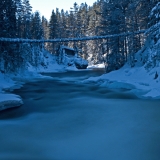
{"x":83,"y":84}
{"x":104,"y":17}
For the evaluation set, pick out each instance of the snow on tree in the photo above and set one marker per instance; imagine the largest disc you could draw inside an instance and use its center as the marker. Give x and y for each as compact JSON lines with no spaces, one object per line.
{"x":150,"y":54}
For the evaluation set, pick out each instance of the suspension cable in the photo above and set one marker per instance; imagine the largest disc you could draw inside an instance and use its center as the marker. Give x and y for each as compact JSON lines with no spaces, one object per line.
{"x":20,"y":40}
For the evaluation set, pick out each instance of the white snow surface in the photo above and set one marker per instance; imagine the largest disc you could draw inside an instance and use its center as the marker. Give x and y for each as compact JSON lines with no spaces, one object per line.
{"x":96,"y":66}
{"x":9,"y":82}
{"x":8,"y":100}
{"x":136,"y":80}
{"x":51,"y":65}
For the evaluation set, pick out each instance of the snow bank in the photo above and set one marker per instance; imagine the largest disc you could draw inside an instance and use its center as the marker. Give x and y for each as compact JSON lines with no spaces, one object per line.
{"x":5,"y":81}
{"x":138,"y":80}
{"x":80,"y":63}
{"x":10,"y":82}
{"x":50,"y":65}
{"x":8,"y":100}
{"x":96,"y":66}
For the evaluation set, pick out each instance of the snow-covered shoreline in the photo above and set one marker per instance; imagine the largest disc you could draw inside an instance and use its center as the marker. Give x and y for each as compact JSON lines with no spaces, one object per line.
{"x":138,"y":80}
{"x":8,"y":100}
{"x":9,"y":82}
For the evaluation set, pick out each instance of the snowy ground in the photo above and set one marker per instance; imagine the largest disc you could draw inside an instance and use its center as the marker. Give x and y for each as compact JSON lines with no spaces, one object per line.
{"x":96,"y":66}
{"x":8,"y":100}
{"x":10,"y":82}
{"x":136,"y":80}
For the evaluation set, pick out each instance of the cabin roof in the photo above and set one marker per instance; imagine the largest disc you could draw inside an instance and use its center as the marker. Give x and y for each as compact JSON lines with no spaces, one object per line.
{"x":68,"y":48}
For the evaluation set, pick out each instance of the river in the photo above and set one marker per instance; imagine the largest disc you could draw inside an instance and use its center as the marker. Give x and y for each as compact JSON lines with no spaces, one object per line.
{"x":63,"y":119}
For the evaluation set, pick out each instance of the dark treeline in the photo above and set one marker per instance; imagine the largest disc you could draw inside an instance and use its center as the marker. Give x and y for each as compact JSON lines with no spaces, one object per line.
{"x":104,"y":17}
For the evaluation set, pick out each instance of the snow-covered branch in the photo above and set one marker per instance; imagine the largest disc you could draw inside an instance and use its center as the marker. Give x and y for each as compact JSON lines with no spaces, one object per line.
{"x":20,"y":40}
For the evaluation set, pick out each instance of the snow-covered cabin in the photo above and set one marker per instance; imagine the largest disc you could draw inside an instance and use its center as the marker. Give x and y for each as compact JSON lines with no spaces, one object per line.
{"x":69,"y":57}
{"x":67,"y":50}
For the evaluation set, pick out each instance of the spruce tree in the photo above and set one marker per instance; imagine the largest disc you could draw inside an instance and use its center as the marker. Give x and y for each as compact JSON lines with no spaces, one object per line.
{"x":63,"y":28}
{"x":19,"y":13}
{"x":36,"y":27}
{"x":53,"y":28}
{"x":26,"y":18}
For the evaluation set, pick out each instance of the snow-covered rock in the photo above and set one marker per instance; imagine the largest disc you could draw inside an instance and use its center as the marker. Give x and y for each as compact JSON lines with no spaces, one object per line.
{"x":80,"y":63}
{"x":9,"y":101}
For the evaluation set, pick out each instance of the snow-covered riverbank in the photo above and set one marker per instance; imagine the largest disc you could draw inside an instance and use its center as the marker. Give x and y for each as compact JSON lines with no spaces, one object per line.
{"x":8,"y":100}
{"x":10,"y":82}
{"x":64,"y":120}
{"x":137,"y":80}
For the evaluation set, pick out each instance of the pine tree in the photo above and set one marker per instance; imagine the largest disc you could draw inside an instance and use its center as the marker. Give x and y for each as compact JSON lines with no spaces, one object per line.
{"x":84,"y":17}
{"x":19,"y":18}
{"x":53,"y":30}
{"x":45,"y":27}
{"x":26,"y":18}
{"x":154,"y":24}
{"x":152,"y":46}
{"x":63,"y":28}
{"x":116,"y":24}
{"x":7,"y":18}
{"x":8,"y":51}
{"x":59,"y":23}
{"x":36,"y":27}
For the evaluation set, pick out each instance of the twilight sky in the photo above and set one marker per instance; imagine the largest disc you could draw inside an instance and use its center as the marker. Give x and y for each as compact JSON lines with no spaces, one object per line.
{"x":45,"y":7}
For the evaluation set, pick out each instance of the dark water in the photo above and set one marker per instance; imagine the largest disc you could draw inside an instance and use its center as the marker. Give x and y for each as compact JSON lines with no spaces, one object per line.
{"x":63,"y":119}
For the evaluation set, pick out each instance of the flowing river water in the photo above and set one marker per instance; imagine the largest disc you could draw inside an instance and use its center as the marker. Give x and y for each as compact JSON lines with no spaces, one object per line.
{"x":62,"y":119}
